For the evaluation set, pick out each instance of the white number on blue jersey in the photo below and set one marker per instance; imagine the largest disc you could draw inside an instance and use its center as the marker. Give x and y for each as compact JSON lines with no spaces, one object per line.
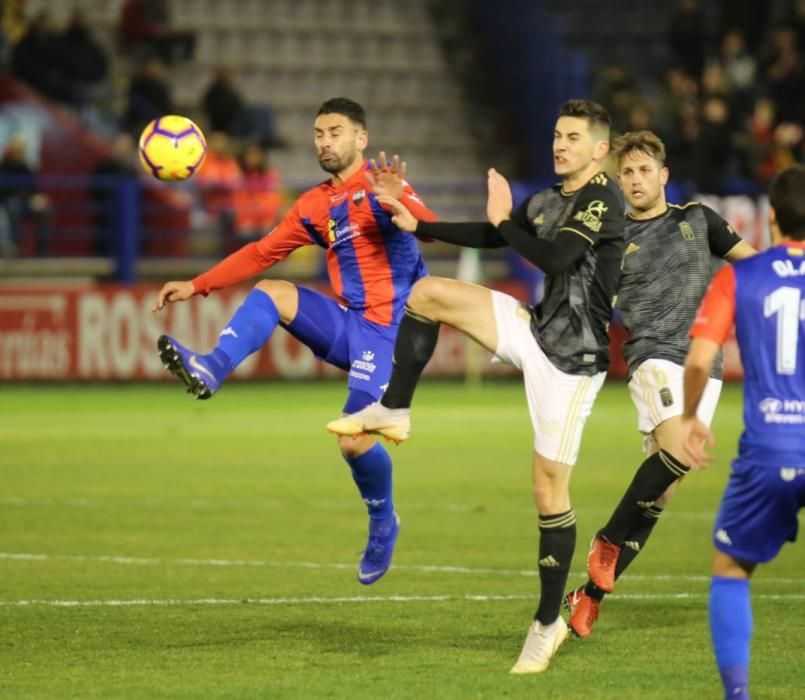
{"x":787,"y":303}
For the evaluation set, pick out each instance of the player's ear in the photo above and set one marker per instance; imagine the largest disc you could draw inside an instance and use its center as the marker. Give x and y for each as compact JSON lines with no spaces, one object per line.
{"x":363,"y":139}
{"x":663,"y":176}
{"x":600,"y":149}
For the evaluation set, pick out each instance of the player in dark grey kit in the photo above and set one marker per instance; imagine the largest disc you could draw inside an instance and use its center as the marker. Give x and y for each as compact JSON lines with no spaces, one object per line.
{"x":667,"y":267}
{"x":574,"y":232}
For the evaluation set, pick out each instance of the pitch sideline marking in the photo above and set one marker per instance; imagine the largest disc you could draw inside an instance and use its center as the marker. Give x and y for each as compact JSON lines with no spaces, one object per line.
{"x":257,"y":563}
{"x":315,"y":600}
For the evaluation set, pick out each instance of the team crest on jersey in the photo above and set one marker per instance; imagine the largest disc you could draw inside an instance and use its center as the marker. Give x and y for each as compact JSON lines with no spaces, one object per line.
{"x":591,"y":217}
{"x":539,"y":219}
{"x":357,"y":198}
{"x":686,"y":230}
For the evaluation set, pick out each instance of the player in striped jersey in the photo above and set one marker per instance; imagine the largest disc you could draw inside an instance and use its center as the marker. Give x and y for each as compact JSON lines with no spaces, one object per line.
{"x":372,"y":266}
{"x":764,"y":298}
{"x":666,"y":269}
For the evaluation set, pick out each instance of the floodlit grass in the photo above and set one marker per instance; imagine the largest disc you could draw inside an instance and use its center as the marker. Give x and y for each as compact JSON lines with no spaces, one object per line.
{"x":212,"y":546}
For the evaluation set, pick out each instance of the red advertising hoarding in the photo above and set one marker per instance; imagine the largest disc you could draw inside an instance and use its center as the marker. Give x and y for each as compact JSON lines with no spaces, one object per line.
{"x":55,"y":332}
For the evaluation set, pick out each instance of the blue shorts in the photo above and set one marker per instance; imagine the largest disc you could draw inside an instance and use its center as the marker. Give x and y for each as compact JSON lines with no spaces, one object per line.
{"x":344,"y":338}
{"x":758,"y":511}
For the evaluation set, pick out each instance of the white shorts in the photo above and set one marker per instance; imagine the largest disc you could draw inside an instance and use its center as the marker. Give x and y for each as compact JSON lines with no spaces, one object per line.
{"x":657,"y":391}
{"x":559,"y":403}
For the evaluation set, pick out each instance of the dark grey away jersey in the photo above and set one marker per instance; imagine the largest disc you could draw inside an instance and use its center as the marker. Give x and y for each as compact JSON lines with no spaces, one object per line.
{"x":667,"y":266}
{"x":571,"y":323}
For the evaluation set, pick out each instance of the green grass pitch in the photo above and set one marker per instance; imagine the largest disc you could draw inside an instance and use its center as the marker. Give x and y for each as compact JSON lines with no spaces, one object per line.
{"x":208,"y":549}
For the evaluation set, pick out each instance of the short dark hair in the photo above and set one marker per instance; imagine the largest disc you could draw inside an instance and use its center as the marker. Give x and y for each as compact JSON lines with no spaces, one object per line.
{"x":787,"y":198}
{"x":642,"y":141}
{"x":343,"y":105}
{"x":597,"y":117}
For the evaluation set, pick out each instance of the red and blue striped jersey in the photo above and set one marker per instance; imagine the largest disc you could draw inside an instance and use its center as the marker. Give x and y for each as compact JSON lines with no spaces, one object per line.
{"x":371,"y":264}
{"x":764,"y":297}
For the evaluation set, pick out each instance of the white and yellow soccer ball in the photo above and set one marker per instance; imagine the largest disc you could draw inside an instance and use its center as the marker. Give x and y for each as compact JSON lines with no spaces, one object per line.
{"x":172,"y":148}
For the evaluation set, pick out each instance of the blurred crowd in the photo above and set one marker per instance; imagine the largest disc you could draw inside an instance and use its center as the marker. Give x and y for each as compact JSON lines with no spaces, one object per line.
{"x":237,"y":192}
{"x":732,"y":103}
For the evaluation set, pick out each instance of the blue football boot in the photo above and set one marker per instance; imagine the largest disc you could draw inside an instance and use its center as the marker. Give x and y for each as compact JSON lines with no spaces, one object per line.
{"x":201,"y":376}
{"x":376,"y":558}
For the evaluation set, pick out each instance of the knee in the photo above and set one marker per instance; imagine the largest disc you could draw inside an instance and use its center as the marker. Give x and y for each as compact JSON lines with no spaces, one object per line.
{"x":354,"y":447}
{"x":284,"y":295}
{"x":426,"y":294}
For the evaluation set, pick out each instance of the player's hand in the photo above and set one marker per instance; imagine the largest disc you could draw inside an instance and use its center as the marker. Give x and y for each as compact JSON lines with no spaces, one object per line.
{"x":400,"y":216}
{"x":173,"y":291}
{"x":387,"y":178}
{"x":696,"y":437}
{"x":499,"y":199}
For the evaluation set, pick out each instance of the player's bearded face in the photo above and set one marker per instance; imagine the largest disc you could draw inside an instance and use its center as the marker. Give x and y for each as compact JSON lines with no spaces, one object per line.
{"x":573,"y":146}
{"x":642,"y":178}
{"x":337,"y":141}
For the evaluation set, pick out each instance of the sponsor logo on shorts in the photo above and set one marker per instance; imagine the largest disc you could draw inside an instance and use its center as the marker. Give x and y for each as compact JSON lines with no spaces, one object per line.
{"x":723,"y":537}
{"x":666,"y":397}
{"x":364,"y":367}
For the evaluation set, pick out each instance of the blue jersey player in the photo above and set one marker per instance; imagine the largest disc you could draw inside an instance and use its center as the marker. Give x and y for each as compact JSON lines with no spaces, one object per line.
{"x":764,"y":297}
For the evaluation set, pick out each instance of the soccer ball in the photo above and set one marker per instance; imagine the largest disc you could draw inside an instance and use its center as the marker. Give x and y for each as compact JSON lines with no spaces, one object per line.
{"x":172,"y":148}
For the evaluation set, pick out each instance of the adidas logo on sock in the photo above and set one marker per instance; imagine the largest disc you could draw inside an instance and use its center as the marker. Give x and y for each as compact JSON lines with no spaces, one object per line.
{"x":632,"y":545}
{"x":549,"y":562}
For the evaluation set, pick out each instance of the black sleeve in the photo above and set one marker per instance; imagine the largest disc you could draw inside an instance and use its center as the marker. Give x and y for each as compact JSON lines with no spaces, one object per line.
{"x":721,"y":235}
{"x":552,"y":257}
{"x":597,"y":212}
{"x":470,"y":235}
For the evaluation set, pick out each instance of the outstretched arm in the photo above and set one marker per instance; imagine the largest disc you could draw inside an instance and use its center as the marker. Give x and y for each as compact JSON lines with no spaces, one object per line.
{"x":469,"y":235}
{"x":249,"y":261}
{"x":553,"y":257}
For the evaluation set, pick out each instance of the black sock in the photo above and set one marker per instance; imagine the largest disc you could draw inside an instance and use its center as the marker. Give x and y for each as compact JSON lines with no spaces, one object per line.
{"x":632,"y":546}
{"x":653,"y":477}
{"x":414,"y":346}
{"x":557,"y":540}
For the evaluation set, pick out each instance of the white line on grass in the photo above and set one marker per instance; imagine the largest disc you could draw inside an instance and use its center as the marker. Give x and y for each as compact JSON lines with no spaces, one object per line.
{"x":425,"y":568}
{"x":345,"y":505}
{"x":316,"y":600}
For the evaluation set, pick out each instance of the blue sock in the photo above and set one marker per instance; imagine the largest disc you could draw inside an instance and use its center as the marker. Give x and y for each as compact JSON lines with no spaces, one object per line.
{"x":372,"y":474}
{"x":731,"y":631}
{"x":247,"y":331}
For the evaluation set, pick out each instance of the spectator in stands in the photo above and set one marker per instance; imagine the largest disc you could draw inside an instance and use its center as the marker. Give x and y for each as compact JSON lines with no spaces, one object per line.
{"x":258,"y":201}
{"x":755,"y":143}
{"x":84,"y":59}
{"x":226,"y":110}
{"x":784,"y":73}
{"x":37,"y":58}
{"x":21,"y":200}
{"x":687,"y":38}
{"x":738,"y":64}
{"x":109,"y":175}
{"x":149,"y":95}
{"x":218,"y":179}
{"x":713,"y":146}
{"x":145,"y":30}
